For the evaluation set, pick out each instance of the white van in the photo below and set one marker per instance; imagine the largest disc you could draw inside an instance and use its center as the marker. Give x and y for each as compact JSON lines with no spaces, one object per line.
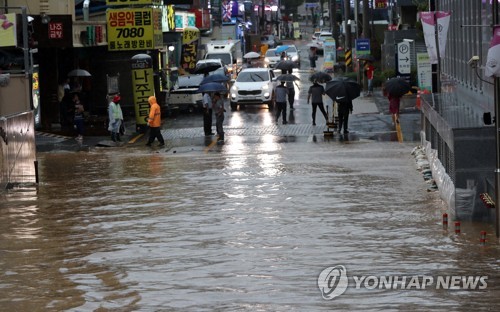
{"x":228,"y":51}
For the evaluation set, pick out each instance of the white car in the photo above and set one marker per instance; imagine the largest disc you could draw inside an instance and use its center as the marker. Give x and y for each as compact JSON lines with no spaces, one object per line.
{"x":315,"y":36}
{"x":184,"y":95}
{"x":271,"y":58}
{"x":253,"y":86}
{"x":322,"y":37}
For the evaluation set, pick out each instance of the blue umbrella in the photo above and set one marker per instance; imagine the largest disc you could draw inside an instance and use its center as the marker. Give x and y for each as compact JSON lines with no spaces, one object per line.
{"x":281,"y":49}
{"x":212,"y":87}
{"x":215,"y":78}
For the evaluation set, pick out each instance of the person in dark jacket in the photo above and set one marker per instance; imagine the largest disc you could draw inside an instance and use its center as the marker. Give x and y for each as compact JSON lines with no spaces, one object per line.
{"x":344,"y":107}
{"x":315,"y":93}
{"x":291,"y":92}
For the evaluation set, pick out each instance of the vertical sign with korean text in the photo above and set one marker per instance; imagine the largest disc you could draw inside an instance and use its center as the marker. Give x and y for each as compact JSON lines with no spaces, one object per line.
{"x":330,"y":54}
{"x":424,"y":72}
{"x":133,"y":29}
{"x":56,"y":30}
{"x":190,"y":38}
{"x":143,"y":86}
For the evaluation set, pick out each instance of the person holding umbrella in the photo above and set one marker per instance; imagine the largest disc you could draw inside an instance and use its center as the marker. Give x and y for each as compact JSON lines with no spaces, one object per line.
{"x":312,"y":57}
{"x":316,"y":92}
{"x":394,"y":103}
{"x":218,"y":105}
{"x":291,"y":91}
{"x":394,"y":89}
{"x":207,"y":113}
{"x":343,"y":109}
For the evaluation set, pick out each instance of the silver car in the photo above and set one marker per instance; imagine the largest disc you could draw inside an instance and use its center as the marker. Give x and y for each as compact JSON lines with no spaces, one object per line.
{"x":271,"y":58}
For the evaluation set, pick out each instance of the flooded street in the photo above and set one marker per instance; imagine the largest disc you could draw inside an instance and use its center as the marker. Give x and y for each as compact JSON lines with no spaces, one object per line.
{"x":245,"y":226}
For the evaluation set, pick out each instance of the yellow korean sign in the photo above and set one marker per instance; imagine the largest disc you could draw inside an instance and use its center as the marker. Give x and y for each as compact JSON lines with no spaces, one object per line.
{"x":143,"y":86}
{"x":132,"y":2}
{"x":134,"y":29}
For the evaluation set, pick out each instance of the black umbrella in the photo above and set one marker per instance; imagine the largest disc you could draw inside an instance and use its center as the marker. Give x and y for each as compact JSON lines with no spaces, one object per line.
{"x":212,"y":87}
{"x":215,"y":78}
{"x":286,"y":65}
{"x":287,"y":77}
{"x":320,"y":77}
{"x":79,"y":73}
{"x":205,"y":68}
{"x":342,"y":87}
{"x":396,"y":87}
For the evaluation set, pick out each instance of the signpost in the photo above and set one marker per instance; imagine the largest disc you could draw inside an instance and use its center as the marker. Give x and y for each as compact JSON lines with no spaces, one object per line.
{"x":403,"y":59}
{"x":424,"y":72}
{"x":362,"y":47}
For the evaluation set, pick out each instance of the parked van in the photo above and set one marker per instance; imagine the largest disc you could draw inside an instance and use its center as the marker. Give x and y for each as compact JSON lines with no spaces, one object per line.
{"x":228,"y":51}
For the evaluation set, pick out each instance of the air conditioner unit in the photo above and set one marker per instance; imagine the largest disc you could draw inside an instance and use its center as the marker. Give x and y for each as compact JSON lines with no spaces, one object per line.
{"x":4,"y":80}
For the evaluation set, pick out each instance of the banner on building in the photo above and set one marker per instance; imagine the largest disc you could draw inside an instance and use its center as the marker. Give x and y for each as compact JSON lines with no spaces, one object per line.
{"x":183,"y":20}
{"x":8,"y":30}
{"x":168,"y":18}
{"x":493,"y":60}
{"x":229,"y":12}
{"x":428,"y":24}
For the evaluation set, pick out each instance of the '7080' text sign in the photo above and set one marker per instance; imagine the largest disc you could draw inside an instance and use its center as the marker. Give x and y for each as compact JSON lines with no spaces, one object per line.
{"x":134,"y":29}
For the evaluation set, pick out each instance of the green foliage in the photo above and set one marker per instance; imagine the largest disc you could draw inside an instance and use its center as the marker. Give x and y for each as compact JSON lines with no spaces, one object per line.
{"x":422,"y":5}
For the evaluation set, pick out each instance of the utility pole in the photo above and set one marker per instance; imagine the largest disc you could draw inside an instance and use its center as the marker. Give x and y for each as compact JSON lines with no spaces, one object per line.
{"x":348,"y":40}
{"x":367,"y":35}
{"x":366,"y":21}
{"x":496,"y":20}
{"x":333,"y":18}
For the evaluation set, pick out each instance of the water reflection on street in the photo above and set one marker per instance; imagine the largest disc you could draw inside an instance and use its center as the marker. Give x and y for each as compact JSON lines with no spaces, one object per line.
{"x":241,"y":227}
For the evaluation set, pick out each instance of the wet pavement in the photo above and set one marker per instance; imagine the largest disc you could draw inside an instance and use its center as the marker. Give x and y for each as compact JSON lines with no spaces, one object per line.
{"x":248,"y":225}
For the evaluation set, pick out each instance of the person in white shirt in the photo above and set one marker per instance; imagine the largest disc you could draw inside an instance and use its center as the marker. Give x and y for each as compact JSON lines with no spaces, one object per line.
{"x":115,"y":115}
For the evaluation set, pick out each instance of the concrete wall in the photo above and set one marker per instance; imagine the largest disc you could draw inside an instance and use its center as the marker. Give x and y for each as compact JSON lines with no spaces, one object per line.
{"x":16,"y":96}
{"x":466,"y":150}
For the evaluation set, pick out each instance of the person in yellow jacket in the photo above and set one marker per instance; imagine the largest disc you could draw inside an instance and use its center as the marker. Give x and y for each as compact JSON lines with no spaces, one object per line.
{"x":154,"y":122}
